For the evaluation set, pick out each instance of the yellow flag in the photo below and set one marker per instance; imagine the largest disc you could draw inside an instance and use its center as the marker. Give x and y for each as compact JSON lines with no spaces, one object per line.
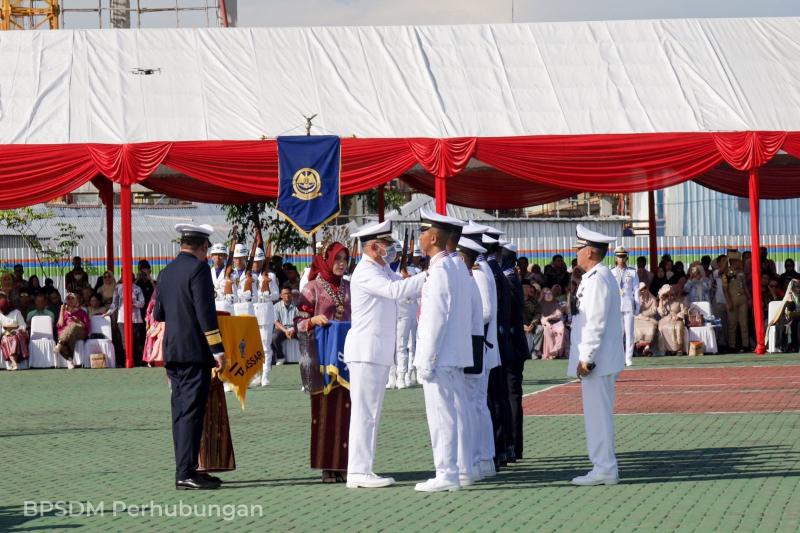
{"x":243,"y":352}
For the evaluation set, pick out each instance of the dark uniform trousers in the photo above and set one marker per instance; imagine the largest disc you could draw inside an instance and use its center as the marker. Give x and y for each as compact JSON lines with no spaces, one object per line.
{"x":190,"y":383}
{"x":513,"y":373}
{"x":499,"y":409}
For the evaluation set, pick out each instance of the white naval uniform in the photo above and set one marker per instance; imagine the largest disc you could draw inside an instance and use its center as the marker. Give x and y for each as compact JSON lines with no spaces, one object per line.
{"x":263,"y":306}
{"x":597,"y":338}
{"x":244,"y":299}
{"x":222,"y":301}
{"x":407,"y":309}
{"x":471,"y":319}
{"x":440,"y":360}
{"x":628,"y":284}
{"x":484,"y":431}
{"x":369,"y":352}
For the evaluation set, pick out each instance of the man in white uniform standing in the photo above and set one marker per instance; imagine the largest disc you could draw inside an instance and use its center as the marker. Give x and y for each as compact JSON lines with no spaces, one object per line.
{"x":628,"y":283}
{"x":369,"y":347}
{"x":219,"y":254}
{"x":596,"y":354}
{"x":441,"y":355}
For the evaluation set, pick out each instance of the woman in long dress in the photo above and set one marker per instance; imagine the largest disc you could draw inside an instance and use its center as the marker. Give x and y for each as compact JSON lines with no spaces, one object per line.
{"x":73,"y":326}
{"x":326,"y":297}
{"x":645,"y":324}
{"x":698,"y":287}
{"x":154,"y":337}
{"x":672,"y":326}
{"x":553,"y":324}
{"x":14,"y":340}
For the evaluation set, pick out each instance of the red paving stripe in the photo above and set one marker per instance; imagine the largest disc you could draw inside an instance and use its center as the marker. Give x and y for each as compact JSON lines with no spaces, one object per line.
{"x":684,"y":390}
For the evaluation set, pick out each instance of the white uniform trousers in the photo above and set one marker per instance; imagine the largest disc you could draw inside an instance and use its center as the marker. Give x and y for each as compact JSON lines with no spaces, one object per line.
{"x":477,"y":386}
{"x":467,"y":422}
{"x":266,"y":322}
{"x":627,"y":329}
{"x":440,"y":409}
{"x":367,"y":388}
{"x":404,"y":326}
{"x":597,"y":393}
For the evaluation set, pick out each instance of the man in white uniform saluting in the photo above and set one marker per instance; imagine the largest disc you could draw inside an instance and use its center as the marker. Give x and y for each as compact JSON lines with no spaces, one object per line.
{"x":369,"y":347}
{"x":597,"y":354}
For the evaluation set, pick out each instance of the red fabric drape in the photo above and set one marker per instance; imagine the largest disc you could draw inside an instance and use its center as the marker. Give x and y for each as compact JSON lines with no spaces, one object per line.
{"x":603,"y":163}
{"x":193,"y":190}
{"x":238,"y":171}
{"x":487,"y":188}
{"x":744,"y":150}
{"x":127,"y":269}
{"x":127,"y":164}
{"x":35,"y":173}
{"x":776,"y":182}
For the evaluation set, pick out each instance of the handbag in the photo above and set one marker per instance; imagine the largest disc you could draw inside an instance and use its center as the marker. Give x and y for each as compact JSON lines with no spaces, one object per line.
{"x":477,"y":356}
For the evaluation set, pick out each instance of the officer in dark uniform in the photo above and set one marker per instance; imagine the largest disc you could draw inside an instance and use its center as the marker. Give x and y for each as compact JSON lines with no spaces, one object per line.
{"x":192,"y":347}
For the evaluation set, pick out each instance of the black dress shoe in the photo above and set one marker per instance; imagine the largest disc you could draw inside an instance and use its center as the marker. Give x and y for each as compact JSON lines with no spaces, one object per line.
{"x":511,"y":456}
{"x":195,"y":483}
{"x":209,"y":477}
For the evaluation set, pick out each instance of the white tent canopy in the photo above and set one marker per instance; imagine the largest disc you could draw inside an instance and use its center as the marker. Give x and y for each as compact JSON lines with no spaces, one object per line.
{"x":75,"y":86}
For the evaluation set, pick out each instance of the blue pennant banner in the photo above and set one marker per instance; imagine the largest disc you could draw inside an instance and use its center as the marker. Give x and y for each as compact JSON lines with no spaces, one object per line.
{"x":308,"y":180}
{"x":330,"y":348}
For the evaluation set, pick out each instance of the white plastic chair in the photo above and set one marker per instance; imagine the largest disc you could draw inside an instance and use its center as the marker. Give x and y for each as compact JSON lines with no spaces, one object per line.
{"x":705,"y":334}
{"x":772,"y":333}
{"x":99,"y":325}
{"x":42,"y":345}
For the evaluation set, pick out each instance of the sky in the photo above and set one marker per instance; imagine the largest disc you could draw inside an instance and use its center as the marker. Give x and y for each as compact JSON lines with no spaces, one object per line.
{"x":390,"y":12}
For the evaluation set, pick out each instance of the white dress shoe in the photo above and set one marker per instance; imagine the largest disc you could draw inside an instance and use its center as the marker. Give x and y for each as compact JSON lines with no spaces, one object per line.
{"x":465,"y":480}
{"x":437,"y":485}
{"x":592,"y":479}
{"x":264,"y":381}
{"x":487,"y":469}
{"x":402,"y":383}
{"x":368,"y":481}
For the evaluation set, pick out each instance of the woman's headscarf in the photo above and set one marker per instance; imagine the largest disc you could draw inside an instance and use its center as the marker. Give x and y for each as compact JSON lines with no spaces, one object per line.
{"x":322,"y":265}
{"x":788,"y":297}
{"x":546,"y":307}
{"x":73,"y":295}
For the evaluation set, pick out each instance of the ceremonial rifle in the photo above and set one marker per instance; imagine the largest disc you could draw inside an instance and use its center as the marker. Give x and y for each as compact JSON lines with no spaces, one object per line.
{"x":353,"y":249}
{"x":404,"y":257}
{"x":229,"y":262}
{"x":248,"y":270}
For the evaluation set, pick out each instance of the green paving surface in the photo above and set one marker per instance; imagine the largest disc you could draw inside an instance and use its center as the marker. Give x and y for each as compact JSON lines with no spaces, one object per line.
{"x":103,"y":436}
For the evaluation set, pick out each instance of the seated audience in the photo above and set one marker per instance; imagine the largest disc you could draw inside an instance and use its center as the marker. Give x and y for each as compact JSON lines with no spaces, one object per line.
{"x":789,"y":273}
{"x":73,"y":326}
{"x":698,"y":286}
{"x":672,"y":326}
{"x":553,"y":326}
{"x":40,"y":309}
{"x":14,"y":340}
{"x":96,"y":306}
{"x":645,"y":324}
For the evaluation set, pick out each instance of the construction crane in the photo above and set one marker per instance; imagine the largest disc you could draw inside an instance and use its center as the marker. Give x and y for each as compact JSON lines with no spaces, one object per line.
{"x":29,"y":14}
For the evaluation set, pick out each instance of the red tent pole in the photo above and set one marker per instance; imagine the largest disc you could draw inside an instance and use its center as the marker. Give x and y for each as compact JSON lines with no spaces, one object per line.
{"x":109,"y":201}
{"x":651,"y":213}
{"x":127,"y":270}
{"x":441,"y":195}
{"x":381,"y":202}
{"x":755,"y":261}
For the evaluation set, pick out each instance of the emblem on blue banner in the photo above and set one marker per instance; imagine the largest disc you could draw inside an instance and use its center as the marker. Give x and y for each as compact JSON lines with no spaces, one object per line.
{"x":330,"y":349}
{"x":308,"y":180}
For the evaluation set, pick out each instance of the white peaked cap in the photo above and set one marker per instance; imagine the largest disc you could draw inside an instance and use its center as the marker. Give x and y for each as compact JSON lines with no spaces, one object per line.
{"x":471,"y":245}
{"x":474,"y":229}
{"x":429,"y":218}
{"x":511,"y":247}
{"x":194,"y":230}
{"x":380,"y":231}
{"x":218,"y":248}
{"x":260,"y":255}
{"x":488,"y":240}
{"x":587,"y":237}
{"x":240,"y":251}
